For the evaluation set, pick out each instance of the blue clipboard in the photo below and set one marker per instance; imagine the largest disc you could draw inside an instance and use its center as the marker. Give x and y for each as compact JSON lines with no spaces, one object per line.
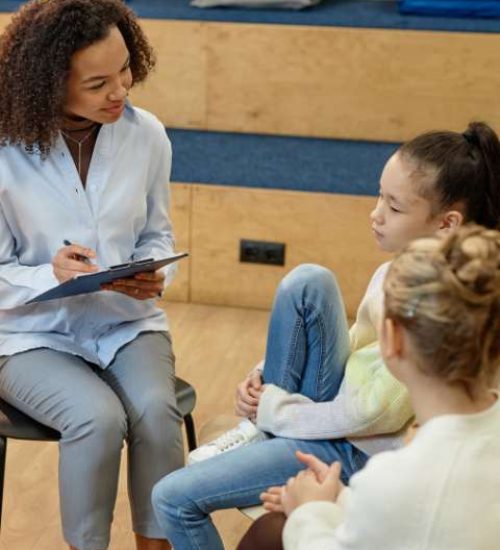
{"x":83,"y":284}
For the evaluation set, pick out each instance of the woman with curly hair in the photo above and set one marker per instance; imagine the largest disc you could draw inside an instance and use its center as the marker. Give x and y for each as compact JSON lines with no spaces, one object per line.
{"x":78,"y":163}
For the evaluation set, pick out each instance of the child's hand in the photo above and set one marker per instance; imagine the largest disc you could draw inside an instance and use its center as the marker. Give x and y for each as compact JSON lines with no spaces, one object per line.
{"x":305,"y":487}
{"x":248,"y":394}
{"x":271,"y":499}
{"x":410,"y":433}
{"x":314,"y":464}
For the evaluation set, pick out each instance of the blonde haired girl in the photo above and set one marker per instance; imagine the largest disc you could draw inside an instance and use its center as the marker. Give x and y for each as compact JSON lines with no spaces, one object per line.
{"x":441,"y":338}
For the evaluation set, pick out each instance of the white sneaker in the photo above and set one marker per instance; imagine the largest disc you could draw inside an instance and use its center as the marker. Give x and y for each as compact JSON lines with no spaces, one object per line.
{"x":245,"y":433}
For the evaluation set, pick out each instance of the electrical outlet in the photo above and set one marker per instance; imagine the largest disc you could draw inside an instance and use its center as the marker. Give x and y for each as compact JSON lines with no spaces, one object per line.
{"x":262,"y":252}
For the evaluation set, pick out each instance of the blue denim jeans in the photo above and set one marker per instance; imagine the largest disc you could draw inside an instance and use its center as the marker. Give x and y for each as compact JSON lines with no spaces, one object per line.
{"x":307,"y":349}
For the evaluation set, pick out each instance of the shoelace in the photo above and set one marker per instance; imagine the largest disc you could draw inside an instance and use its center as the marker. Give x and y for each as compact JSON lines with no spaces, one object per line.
{"x":229,"y":439}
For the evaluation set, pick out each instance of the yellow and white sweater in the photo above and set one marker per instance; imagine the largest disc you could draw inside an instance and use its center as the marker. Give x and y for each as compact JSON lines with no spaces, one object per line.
{"x":371,"y":409}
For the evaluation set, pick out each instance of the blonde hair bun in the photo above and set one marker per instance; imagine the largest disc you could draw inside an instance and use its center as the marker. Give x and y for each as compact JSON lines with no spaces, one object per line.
{"x":446,"y":293}
{"x":474,"y":257}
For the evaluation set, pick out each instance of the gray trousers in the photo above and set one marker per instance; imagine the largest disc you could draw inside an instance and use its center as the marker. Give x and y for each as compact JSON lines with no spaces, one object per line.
{"x":95,"y":410}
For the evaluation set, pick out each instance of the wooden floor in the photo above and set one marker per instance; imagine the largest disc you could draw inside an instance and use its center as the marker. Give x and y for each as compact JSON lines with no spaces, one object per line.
{"x":215,"y":348}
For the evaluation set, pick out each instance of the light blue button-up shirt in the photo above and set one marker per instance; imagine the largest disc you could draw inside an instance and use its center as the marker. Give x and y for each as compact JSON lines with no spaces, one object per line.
{"x":122,"y":214}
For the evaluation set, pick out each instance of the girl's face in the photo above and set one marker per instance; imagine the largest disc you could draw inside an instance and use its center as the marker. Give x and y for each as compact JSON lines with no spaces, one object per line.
{"x":401,"y":215}
{"x":99,"y":80}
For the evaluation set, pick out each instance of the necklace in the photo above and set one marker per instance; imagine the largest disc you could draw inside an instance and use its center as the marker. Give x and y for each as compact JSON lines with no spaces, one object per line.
{"x":79,"y":143}
{"x":73,"y":130}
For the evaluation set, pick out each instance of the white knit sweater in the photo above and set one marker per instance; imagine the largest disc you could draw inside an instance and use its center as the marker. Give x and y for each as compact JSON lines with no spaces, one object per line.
{"x":371,"y":409}
{"x":441,"y":492}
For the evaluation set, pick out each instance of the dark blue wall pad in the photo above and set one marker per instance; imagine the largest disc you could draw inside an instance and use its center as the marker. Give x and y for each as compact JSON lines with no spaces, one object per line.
{"x":275,"y":162}
{"x":451,"y":8}
{"x":343,"y":13}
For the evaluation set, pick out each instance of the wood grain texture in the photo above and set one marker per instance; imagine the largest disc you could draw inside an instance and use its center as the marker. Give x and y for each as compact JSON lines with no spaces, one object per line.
{"x":373,"y":84}
{"x":180,"y":212}
{"x":332,"y":230}
{"x":176,"y":90}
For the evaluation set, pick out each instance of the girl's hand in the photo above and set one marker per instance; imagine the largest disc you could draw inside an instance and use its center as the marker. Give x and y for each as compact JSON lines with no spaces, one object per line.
{"x":73,"y":260}
{"x":410,"y":433}
{"x":271,"y":499}
{"x":248,"y":395}
{"x":142,"y":286}
{"x":314,"y":464}
{"x":306,"y":488}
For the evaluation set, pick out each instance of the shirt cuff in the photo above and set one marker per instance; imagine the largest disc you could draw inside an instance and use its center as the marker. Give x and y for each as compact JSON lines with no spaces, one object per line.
{"x":311,"y":525}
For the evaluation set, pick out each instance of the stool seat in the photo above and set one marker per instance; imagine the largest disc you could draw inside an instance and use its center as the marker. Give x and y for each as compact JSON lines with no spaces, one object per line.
{"x":186,"y":396}
{"x":186,"y":400}
{"x":16,"y":425}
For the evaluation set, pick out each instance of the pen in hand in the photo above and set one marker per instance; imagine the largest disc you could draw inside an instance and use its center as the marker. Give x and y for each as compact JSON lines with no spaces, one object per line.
{"x":77,"y":257}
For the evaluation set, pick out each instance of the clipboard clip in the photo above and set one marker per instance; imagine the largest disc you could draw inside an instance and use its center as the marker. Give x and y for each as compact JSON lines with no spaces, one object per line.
{"x":130,"y":264}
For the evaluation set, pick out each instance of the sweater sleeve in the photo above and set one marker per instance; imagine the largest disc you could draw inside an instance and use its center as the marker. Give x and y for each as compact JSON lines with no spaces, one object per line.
{"x":382,"y":508}
{"x":312,"y":525}
{"x":370,"y":402}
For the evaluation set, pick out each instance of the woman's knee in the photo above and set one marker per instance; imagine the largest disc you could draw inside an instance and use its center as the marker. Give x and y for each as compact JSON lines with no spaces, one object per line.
{"x":156,"y":410}
{"x":103,"y":420}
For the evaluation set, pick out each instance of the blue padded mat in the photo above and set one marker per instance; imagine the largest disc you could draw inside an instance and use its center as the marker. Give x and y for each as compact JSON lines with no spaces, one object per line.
{"x":452,"y":8}
{"x":343,"y":13}
{"x":302,"y":164}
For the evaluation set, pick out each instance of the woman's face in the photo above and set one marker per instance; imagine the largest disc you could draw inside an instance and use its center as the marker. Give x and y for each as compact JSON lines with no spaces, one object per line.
{"x":99,"y":80}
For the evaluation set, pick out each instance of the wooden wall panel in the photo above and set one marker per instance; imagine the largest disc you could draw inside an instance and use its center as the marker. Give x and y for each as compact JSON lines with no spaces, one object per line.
{"x":180,"y":212}
{"x":332,"y":230}
{"x":373,"y":84}
{"x":176,"y":90}
{"x":349,"y":83}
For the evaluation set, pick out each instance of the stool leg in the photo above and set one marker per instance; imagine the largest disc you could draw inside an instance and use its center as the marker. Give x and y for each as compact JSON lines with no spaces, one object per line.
{"x":190,"y":432}
{"x":3,"y":453}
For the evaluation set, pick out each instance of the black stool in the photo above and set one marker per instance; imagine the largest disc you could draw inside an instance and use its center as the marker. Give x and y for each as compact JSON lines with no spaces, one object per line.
{"x":16,"y":425}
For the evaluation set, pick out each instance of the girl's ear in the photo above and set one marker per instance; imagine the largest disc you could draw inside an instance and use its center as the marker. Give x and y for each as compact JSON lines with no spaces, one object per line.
{"x":392,"y":339}
{"x":451,"y":220}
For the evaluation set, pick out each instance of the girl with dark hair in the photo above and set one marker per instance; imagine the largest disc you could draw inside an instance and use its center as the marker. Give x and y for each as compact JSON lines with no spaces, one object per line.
{"x":78,"y":163}
{"x":325,"y":390}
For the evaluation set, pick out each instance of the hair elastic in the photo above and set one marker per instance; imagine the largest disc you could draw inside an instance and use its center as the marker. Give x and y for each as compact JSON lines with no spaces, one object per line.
{"x":471,"y":138}
{"x":411,"y":308}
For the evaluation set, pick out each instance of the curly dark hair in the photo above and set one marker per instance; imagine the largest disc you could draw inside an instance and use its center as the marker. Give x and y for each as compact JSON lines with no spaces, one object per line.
{"x":35,"y":58}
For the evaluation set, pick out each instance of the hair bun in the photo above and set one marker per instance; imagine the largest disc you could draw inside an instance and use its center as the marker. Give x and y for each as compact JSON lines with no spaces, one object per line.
{"x":476,"y":262}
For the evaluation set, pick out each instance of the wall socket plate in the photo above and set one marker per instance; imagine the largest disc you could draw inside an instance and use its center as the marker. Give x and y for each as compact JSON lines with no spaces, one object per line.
{"x":262,"y":252}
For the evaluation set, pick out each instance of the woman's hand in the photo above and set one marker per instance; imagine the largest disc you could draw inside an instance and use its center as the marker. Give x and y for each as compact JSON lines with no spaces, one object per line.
{"x":143,"y":286}
{"x":73,"y":260}
{"x":248,"y":395}
{"x":305,"y":487}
